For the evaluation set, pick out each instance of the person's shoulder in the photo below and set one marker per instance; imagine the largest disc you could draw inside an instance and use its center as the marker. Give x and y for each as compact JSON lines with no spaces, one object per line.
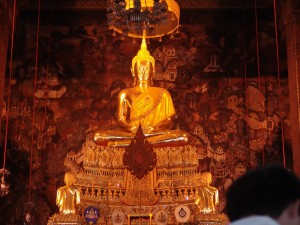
{"x":255,"y":219}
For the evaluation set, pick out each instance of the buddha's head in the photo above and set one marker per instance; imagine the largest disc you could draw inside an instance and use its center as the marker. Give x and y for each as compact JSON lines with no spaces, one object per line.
{"x":69,"y":178}
{"x":206,"y":178}
{"x":143,"y":65}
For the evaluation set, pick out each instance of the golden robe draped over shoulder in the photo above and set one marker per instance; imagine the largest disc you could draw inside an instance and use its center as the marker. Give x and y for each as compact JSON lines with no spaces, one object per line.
{"x":151,"y":107}
{"x":66,"y":199}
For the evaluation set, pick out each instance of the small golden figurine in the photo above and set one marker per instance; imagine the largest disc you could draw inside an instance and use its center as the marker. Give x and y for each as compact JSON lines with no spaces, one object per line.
{"x":67,"y":196}
{"x":208,"y":196}
{"x":145,"y":105}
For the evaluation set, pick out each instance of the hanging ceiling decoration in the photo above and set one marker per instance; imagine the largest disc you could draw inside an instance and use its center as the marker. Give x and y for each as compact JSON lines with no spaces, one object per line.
{"x":131,"y":17}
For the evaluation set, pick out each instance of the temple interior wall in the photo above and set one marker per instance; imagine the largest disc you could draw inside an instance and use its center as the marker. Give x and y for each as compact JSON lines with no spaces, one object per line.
{"x":237,"y":116}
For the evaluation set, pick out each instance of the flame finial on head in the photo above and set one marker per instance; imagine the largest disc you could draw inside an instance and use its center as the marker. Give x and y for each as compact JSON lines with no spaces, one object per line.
{"x":143,"y":54}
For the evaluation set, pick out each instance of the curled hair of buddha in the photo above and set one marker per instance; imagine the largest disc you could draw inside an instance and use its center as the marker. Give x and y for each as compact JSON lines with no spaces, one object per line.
{"x":143,"y":54}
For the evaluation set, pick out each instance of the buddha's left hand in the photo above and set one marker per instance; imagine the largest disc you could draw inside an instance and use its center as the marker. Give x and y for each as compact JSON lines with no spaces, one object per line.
{"x":149,"y":129}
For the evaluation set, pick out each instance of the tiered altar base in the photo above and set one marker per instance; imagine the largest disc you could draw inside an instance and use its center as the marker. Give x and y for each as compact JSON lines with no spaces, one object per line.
{"x":104,"y":182}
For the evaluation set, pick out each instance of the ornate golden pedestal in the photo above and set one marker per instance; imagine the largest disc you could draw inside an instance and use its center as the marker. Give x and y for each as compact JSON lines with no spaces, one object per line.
{"x":140,"y":218}
{"x":104,"y":182}
{"x":62,"y":219}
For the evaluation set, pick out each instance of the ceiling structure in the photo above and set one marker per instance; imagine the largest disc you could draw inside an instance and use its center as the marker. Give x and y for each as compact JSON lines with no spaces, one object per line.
{"x":184,"y":4}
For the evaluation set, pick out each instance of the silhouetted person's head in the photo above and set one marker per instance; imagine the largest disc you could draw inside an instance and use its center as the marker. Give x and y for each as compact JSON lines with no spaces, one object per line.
{"x":271,"y":191}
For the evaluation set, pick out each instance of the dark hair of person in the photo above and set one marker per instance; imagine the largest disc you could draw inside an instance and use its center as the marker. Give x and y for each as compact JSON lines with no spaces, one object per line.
{"x":263,"y":191}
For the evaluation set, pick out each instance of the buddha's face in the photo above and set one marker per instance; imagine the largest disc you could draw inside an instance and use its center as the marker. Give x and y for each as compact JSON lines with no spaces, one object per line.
{"x":143,"y":70}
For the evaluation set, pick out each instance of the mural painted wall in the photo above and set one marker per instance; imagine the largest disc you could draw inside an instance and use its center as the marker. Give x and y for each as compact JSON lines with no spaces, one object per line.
{"x":238,"y":118}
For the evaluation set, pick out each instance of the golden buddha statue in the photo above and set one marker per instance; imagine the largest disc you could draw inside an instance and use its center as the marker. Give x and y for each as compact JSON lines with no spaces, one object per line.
{"x":145,"y":105}
{"x":208,"y":196}
{"x":67,"y":196}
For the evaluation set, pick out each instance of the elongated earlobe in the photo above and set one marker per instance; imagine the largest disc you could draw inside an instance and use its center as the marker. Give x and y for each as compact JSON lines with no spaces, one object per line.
{"x":152,"y":74}
{"x":134,"y":76}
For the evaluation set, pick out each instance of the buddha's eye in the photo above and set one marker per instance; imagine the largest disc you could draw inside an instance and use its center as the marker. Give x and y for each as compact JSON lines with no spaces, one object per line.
{"x":143,"y":69}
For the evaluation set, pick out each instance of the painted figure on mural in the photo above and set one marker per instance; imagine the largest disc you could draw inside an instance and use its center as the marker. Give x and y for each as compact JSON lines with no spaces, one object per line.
{"x":145,"y":105}
{"x":208,"y":196}
{"x":68,"y":196}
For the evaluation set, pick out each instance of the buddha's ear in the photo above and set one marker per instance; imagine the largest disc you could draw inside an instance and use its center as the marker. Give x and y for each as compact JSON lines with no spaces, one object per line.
{"x":152,"y":74}
{"x":134,"y":76}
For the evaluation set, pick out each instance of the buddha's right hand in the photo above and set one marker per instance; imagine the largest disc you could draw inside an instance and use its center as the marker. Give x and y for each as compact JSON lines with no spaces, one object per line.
{"x":133,"y":129}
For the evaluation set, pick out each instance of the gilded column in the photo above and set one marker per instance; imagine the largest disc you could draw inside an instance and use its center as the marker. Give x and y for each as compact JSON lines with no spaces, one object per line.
{"x":291,"y":18}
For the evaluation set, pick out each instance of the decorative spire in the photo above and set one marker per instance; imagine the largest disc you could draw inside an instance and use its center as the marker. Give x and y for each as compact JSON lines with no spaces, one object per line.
{"x":143,"y":54}
{"x":139,"y":158}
